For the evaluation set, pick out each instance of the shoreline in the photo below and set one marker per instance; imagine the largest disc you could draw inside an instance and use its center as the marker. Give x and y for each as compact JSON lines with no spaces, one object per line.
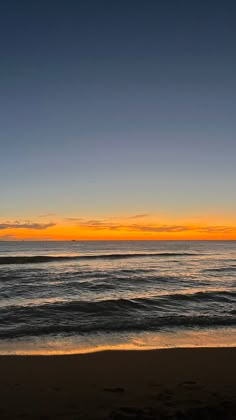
{"x":120,"y":384}
{"x":107,"y":349}
{"x":81,"y":344}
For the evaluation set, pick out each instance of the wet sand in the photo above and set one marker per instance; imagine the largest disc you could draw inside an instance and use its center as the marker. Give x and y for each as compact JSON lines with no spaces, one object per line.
{"x":197,"y":383}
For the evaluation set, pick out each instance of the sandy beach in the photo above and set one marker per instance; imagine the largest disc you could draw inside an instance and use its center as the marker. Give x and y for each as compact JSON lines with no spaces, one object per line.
{"x":157,"y":384}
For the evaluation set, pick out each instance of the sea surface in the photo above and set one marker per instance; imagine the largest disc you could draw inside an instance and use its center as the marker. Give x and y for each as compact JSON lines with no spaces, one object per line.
{"x":65,"y":297}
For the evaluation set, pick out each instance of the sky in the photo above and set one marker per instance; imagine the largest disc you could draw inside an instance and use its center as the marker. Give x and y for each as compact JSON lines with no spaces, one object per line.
{"x":117,"y":119}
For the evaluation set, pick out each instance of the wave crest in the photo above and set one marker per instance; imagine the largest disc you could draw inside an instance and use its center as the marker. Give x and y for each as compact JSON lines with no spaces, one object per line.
{"x":32,"y":259}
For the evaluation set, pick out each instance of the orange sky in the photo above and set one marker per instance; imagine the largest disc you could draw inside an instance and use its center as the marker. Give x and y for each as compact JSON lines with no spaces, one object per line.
{"x":118,"y":228}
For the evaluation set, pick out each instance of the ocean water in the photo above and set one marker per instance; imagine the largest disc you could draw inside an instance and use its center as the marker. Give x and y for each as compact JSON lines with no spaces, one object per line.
{"x":65,"y":297}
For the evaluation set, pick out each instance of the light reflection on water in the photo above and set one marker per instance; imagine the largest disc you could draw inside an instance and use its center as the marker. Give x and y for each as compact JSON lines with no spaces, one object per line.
{"x":142,"y":302}
{"x":141,"y":341}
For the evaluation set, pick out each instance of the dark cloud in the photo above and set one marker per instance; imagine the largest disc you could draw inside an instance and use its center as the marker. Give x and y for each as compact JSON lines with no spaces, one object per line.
{"x":26,"y":225}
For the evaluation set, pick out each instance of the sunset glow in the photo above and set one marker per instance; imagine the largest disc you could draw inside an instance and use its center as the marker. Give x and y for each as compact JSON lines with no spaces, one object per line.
{"x":137,"y":227}
{"x":117,"y":209}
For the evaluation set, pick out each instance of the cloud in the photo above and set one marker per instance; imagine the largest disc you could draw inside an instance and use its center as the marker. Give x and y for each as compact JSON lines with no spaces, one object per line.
{"x":218,"y":229}
{"x":47,"y":215}
{"x":99,"y":224}
{"x":108,"y":220}
{"x":130,"y":224}
{"x":137,"y":216}
{"x":121,"y":225}
{"x":183,"y":228}
{"x":26,"y":225}
{"x":161,"y":228}
{"x":74,"y":219}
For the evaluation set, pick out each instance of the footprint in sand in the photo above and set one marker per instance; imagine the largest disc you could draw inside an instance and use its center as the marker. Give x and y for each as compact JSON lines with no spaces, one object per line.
{"x":115,"y":389}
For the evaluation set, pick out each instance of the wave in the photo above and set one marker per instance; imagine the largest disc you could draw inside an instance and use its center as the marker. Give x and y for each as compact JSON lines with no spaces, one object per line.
{"x":223,"y":295}
{"x":111,"y":306}
{"x":51,"y":258}
{"x":200,"y":309}
{"x":220,"y":269}
{"x":118,"y":326}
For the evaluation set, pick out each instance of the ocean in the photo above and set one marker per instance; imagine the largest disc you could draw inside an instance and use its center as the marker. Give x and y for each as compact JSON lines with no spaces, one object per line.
{"x":69,"y":297}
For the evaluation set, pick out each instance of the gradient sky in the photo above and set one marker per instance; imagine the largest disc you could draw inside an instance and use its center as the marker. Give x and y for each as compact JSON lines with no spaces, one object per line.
{"x":117,"y":119}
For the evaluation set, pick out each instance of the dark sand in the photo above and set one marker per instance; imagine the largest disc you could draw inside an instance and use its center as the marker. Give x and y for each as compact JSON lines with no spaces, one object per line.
{"x":160,"y":384}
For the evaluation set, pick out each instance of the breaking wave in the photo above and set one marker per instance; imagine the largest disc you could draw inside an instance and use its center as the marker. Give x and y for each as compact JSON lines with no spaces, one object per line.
{"x":147,"y":313}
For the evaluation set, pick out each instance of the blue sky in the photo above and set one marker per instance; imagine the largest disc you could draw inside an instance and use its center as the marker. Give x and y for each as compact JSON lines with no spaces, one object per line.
{"x":117,"y":108}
